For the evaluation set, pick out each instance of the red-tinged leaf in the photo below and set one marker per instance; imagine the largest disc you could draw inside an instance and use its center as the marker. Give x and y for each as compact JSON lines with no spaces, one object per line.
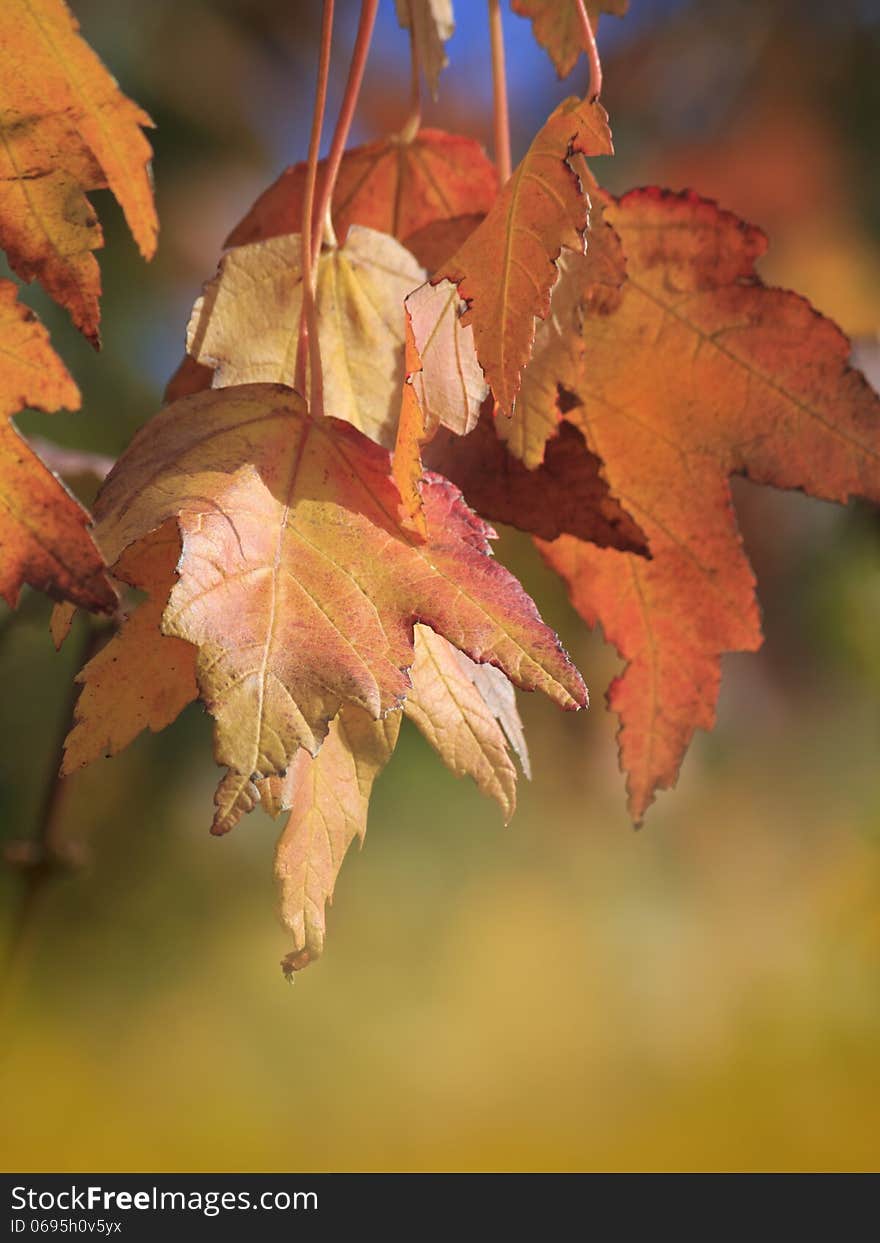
{"x":144,"y":679}
{"x":699,"y":373}
{"x":566,"y":494}
{"x":506,"y":269}
{"x":397,"y":186}
{"x":297,"y":583}
{"x":438,"y":240}
{"x":558,"y":28}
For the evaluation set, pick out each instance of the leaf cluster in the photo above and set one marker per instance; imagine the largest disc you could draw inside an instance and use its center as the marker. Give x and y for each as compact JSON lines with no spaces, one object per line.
{"x":308,"y":516}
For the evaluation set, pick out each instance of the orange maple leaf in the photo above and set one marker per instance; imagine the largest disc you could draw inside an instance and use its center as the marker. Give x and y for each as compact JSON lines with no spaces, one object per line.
{"x":65,"y":128}
{"x":44,"y":536}
{"x":699,"y":372}
{"x":506,"y":269}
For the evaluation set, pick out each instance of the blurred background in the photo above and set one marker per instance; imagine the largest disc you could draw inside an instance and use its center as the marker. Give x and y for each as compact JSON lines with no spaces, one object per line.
{"x":563,"y":994}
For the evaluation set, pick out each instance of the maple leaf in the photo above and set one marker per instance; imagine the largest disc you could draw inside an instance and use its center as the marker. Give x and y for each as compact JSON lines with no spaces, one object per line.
{"x":65,"y":129}
{"x":698,"y":373}
{"x":565,"y":495}
{"x":557,"y":26}
{"x":432,"y":25}
{"x":297,"y":584}
{"x":454,"y":701}
{"x":246,"y":325}
{"x":143,"y":679}
{"x":401,"y":185}
{"x":44,"y":532}
{"x":506,"y":269}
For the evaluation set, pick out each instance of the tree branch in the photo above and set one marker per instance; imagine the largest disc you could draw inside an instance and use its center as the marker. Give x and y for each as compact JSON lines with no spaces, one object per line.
{"x":43,"y":856}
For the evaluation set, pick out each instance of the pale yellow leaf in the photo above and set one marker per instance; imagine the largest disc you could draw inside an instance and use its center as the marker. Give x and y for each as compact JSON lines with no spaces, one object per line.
{"x":328,"y":797}
{"x":246,"y":325}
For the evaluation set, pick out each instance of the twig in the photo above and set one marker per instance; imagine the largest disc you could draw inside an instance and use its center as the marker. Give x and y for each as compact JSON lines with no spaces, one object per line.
{"x":499,"y":92}
{"x":308,"y":324}
{"x":594,"y":90}
{"x":346,"y":115}
{"x":46,"y":853}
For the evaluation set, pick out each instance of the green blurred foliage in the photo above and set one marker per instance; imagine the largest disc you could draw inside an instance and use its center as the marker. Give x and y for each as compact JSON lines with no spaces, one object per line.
{"x":564,"y":993}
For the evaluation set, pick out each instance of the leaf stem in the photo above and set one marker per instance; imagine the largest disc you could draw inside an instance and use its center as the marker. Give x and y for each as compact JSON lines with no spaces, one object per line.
{"x":414,"y":120}
{"x":308,"y":324}
{"x":346,"y":115}
{"x":594,"y":90}
{"x":499,"y":92}
{"x":328,"y":234}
